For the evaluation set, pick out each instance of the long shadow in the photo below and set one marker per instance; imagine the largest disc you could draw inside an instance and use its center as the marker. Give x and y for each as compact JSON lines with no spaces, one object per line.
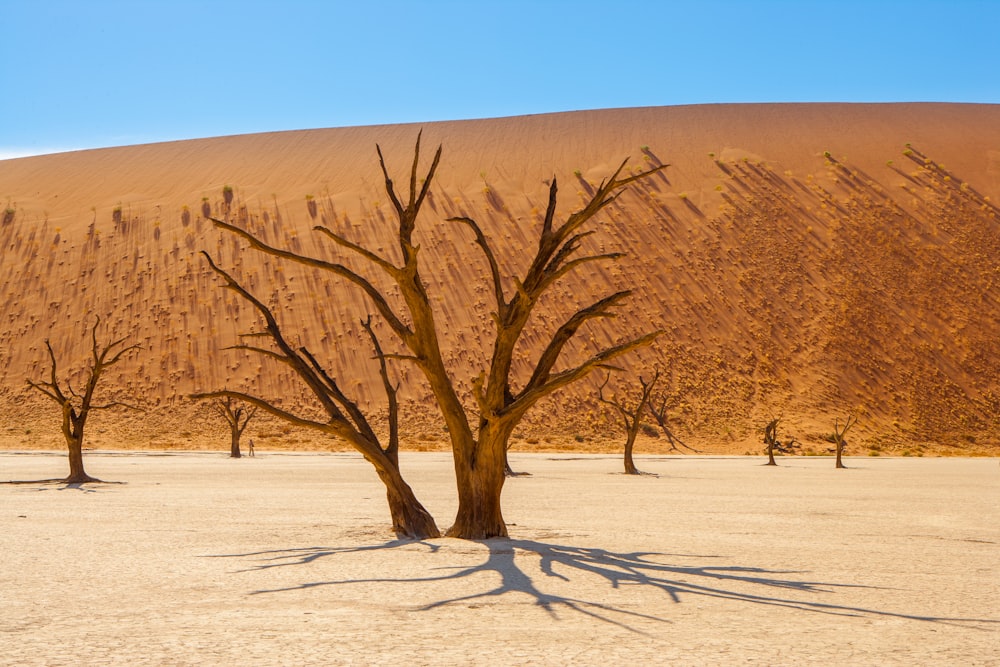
{"x":617,"y":569}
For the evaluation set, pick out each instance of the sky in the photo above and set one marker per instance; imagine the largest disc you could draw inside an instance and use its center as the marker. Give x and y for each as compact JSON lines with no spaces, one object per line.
{"x":78,"y":74}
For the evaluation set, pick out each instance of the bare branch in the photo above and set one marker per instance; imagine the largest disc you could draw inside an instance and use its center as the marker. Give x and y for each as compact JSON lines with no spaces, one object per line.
{"x":115,"y":359}
{"x":403,"y":357}
{"x":614,"y":403}
{"x":266,"y":406}
{"x":528,"y":398}
{"x":408,"y":215}
{"x":333,"y":390}
{"x":389,"y":187}
{"x":416,"y":204}
{"x":260,"y":350}
{"x":550,"y":213}
{"x":392,"y":447}
{"x":576,"y":263}
{"x":383,"y":307}
{"x":660,"y":415}
{"x":116,"y":404}
{"x":386,"y":265}
{"x":44,"y":388}
{"x":566,"y":332}
{"x":320,"y":390}
{"x":490,"y":257}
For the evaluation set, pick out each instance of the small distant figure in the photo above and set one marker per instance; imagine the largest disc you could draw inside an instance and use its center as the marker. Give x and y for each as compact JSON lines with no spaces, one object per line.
{"x":250,"y":447}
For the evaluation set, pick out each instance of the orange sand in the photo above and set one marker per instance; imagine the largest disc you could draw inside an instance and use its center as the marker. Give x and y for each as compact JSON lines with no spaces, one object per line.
{"x":803,"y":259}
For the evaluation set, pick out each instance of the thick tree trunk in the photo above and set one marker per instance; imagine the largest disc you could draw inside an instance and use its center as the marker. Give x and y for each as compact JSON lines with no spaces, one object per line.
{"x":479,"y":516}
{"x":480,"y":483}
{"x":234,"y":447}
{"x":409,"y":518}
{"x":77,"y":475}
{"x":840,"y":450}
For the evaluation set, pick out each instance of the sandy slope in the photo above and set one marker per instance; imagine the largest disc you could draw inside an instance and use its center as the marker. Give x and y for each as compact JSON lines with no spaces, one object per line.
{"x":286,"y":559}
{"x":805,"y":260}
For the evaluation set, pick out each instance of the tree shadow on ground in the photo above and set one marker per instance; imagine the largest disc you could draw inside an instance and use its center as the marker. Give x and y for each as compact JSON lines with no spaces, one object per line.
{"x":750,"y":585}
{"x":86,"y":487}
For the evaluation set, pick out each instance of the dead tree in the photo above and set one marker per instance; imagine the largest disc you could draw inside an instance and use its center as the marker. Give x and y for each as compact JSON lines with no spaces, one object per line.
{"x":631,"y":419}
{"x":479,"y":436}
{"x":345,"y":418}
{"x":771,"y":440}
{"x":77,"y":406}
{"x":237,"y":417}
{"x":838,"y":438}
{"x":773,"y":444}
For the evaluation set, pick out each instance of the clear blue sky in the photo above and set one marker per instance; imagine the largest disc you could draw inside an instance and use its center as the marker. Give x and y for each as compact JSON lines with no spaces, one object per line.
{"x":91,"y":73}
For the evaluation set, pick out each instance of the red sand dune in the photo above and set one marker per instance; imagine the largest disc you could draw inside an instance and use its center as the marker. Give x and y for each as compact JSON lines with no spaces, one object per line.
{"x":807,"y":261}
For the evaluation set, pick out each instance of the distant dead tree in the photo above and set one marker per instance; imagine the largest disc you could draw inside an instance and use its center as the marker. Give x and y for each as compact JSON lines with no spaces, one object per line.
{"x":237,"y":417}
{"x":631,"y":417}
{"x":77,"y":406}
{"x":774,"y":445}
{"x":479,"y":450}
{"x":838,"y":437}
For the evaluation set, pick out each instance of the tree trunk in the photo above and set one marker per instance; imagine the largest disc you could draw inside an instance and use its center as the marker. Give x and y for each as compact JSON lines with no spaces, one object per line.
{"x":770,"y":456}
{"x":479,"y":516}
{"x":234,"y":447}
{"x":409,"y":518}
{"x":480,"y":483}
{"x":630,"y":468}
{"x":77,"y":475}
{"x":840,"y":450}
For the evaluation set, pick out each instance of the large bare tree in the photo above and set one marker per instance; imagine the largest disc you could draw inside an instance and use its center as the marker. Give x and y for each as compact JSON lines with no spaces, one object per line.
{"x":631,"y":417}
{"x":480,"y":433}
{"x":77,"y":405}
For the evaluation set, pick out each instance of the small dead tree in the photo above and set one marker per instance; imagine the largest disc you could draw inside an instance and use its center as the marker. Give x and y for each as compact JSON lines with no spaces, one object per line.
{"x":773,"y":444}
{"x":771,"y":440}
{"x":77,"y":406}
{"x":838,"y":438}
{"x":237,"y":417}
{"x":631,"y":418}
{"x":480,"y":437}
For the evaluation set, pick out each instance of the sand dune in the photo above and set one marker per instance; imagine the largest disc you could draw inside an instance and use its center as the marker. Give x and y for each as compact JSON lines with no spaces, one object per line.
{"x":808,"y":261}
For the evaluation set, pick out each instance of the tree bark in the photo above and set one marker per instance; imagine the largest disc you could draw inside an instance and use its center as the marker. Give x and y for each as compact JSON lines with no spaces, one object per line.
{"x":410,"y":520}
{"x":77,"y":474}
{"x":480,"y":479}
{"x":840,"y":451}
{"x":479,"y":515}
{"x":234,"y":447}
{"x":630,"y":468}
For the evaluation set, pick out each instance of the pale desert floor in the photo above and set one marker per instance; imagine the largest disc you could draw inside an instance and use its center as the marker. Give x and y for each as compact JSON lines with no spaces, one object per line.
{"x":286,"y":559}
